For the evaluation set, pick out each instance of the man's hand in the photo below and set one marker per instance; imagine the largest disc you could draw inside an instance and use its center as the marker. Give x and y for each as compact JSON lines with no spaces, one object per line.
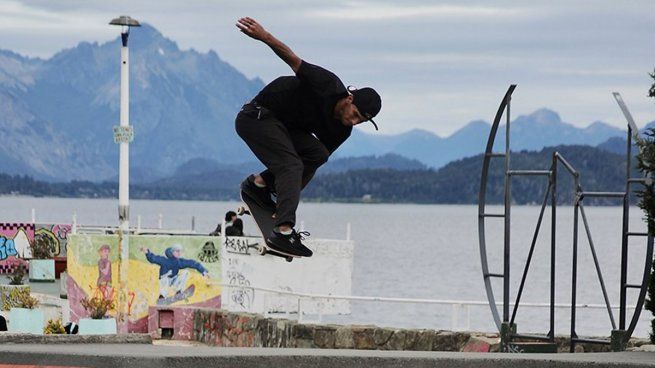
{"x":251,"y":28}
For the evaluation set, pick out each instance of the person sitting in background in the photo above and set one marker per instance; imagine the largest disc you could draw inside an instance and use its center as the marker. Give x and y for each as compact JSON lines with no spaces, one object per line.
{"x":230,"y":216}
{"x":236,"y":229}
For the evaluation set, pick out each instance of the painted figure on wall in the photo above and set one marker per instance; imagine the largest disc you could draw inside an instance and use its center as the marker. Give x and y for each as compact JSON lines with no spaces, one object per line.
{"x":104,"y":271}
{"x":173,"y":274}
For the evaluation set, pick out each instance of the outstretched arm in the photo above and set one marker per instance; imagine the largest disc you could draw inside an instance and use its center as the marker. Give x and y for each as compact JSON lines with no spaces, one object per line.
{"x":255,"y":30}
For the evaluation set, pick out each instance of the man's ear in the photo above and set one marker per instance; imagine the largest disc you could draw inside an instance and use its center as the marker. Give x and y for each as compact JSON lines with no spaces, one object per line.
{"x":350,"y":98}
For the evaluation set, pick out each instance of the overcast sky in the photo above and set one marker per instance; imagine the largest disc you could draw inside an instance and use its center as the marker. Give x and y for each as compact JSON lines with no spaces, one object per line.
{"x":437,"y":65}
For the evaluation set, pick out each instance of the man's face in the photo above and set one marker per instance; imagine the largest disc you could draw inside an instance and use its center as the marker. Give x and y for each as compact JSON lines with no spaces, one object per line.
{"x":104,"y":253}
{"x":348,"y":113}
{"x":234,"y":217}
{"x":177,"y":253}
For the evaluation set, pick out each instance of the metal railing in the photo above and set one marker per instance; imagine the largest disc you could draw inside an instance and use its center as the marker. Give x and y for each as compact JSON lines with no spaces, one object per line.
{"x":458,"y":306}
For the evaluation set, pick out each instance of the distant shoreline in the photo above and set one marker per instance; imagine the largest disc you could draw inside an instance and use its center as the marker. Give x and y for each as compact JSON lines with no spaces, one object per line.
{"x":302,"y":200}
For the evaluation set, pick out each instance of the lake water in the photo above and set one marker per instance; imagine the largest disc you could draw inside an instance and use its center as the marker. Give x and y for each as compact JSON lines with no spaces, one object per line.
{"x":416,"y":251}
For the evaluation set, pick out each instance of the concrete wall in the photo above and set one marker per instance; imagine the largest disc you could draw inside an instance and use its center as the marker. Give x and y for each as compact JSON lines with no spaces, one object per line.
{"x":328,"y":271}
{"x":232,"y":261}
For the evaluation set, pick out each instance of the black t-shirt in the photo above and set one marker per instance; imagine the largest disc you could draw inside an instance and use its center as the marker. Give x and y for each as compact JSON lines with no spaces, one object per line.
{"x":306,"y":102}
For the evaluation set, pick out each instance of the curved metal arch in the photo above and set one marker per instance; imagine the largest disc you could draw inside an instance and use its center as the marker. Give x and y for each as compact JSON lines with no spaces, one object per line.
{"x":633,"y":133}
{"x":482,"y":195}
{"x":644,"y":288}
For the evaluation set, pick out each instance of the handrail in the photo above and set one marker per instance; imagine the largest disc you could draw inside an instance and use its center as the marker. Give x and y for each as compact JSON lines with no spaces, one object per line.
{"x":406,"y":300}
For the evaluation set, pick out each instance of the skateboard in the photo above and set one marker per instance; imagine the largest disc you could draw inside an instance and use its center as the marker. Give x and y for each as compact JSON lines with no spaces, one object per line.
{"x":265,"y":222}
{"x":177,"y":297}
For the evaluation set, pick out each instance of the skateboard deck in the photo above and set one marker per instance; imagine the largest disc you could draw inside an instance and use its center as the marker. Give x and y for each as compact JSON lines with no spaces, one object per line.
{"x":176,"y":298}
{"x":265,"y":222}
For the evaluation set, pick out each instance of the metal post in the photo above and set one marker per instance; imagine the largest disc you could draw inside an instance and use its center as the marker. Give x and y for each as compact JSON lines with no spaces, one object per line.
{"x":624,"y":238}
{"x":123,"y":135}
{"x":124,"y":190}
{"x":553,"y":242}
{"x":33,"y":215}
{"x":193,"y":224}
{"x":574,"y":271}
{"x":506,"y":264}
{"x":348,"y":229}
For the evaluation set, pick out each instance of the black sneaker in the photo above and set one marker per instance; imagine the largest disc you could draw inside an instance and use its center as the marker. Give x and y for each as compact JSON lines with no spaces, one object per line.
{"x":261,"y":195}
{"x":290,"y":244}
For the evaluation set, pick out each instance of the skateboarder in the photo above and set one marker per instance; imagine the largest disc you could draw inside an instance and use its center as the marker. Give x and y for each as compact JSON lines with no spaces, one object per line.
{"x":172,"y":270}
{"x":293,"y":125}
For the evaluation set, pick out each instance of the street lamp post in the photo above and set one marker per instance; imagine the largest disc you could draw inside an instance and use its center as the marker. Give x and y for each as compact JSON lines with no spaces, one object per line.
{"x":123,"y":135}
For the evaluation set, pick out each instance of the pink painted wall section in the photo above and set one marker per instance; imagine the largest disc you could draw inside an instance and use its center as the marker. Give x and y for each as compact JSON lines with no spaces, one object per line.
{"x":182,"y":319}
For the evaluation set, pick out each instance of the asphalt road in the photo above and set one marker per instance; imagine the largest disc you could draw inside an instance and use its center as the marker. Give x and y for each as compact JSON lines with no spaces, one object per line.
{"x":146,"y":356}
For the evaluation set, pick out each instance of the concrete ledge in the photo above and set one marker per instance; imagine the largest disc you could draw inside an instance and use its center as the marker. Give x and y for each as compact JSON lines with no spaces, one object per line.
{"x":147,"y":356}
{"x":13,"y":338}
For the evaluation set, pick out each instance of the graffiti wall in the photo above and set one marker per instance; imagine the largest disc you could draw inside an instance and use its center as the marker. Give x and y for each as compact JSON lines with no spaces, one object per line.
{"x":328,"y":271}
{"x":57,"y":235}
{"x":163,"y":270}
{"x":15,"y":241}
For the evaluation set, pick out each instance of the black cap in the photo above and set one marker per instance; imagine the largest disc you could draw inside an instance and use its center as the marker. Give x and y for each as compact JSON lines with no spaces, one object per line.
{"x":368,"y":103}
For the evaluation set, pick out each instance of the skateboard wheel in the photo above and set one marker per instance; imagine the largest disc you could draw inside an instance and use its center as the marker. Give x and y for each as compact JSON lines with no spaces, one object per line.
{"x":242,"y":211}
{"x":261,"y":250}
{"x":289,"y":259}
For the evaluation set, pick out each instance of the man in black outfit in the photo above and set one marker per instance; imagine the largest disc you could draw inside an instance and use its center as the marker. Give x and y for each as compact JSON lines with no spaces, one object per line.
{"x":293,"y":125}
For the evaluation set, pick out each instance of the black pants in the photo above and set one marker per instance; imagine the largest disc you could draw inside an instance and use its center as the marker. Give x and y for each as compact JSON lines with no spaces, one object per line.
{"x":290,"y":156}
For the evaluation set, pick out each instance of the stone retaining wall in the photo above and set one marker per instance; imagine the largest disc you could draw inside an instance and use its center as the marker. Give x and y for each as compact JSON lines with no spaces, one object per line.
{"x":226,"y":329}
{"x":222,"y":328}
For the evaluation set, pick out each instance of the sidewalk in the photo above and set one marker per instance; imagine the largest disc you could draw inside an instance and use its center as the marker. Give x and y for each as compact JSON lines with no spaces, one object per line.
{"x":151,"y":356}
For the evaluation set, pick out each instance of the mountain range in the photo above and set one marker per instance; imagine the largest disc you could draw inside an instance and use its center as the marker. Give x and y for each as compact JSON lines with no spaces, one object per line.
{"x":57,"y":116}
{"x":456,"y":182}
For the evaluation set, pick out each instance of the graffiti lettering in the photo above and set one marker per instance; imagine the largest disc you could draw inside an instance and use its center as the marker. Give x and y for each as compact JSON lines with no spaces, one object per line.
{"x":237,"y":245}
{"x":511,"y":348}
{"x":7,"y":248}
{"x":243,"y":297}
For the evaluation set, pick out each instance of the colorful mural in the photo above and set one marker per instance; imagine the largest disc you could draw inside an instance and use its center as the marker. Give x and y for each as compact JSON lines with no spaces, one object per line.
{"x":162,"y":270}
{"x":15,"y":241}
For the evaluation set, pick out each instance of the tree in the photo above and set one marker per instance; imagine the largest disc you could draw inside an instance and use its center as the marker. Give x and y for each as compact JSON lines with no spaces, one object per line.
{"x":648,"y":205}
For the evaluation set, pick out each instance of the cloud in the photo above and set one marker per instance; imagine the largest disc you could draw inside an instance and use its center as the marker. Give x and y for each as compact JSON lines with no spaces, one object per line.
{"x":438,"y":64}
{"x":376,"y":11}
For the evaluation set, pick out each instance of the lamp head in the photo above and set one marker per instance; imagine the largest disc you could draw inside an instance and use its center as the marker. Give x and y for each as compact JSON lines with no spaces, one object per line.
{"x":125,"y":20}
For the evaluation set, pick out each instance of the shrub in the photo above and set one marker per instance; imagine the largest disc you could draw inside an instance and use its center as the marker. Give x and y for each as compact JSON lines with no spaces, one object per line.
{"x":16,"y":278}
{"x":97,"y":307}
{"x":27,"y":301}
{"x":54,"y":327}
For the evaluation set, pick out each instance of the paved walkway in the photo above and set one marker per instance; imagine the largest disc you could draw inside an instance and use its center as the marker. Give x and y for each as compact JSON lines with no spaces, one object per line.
{"x":147,"y":356}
